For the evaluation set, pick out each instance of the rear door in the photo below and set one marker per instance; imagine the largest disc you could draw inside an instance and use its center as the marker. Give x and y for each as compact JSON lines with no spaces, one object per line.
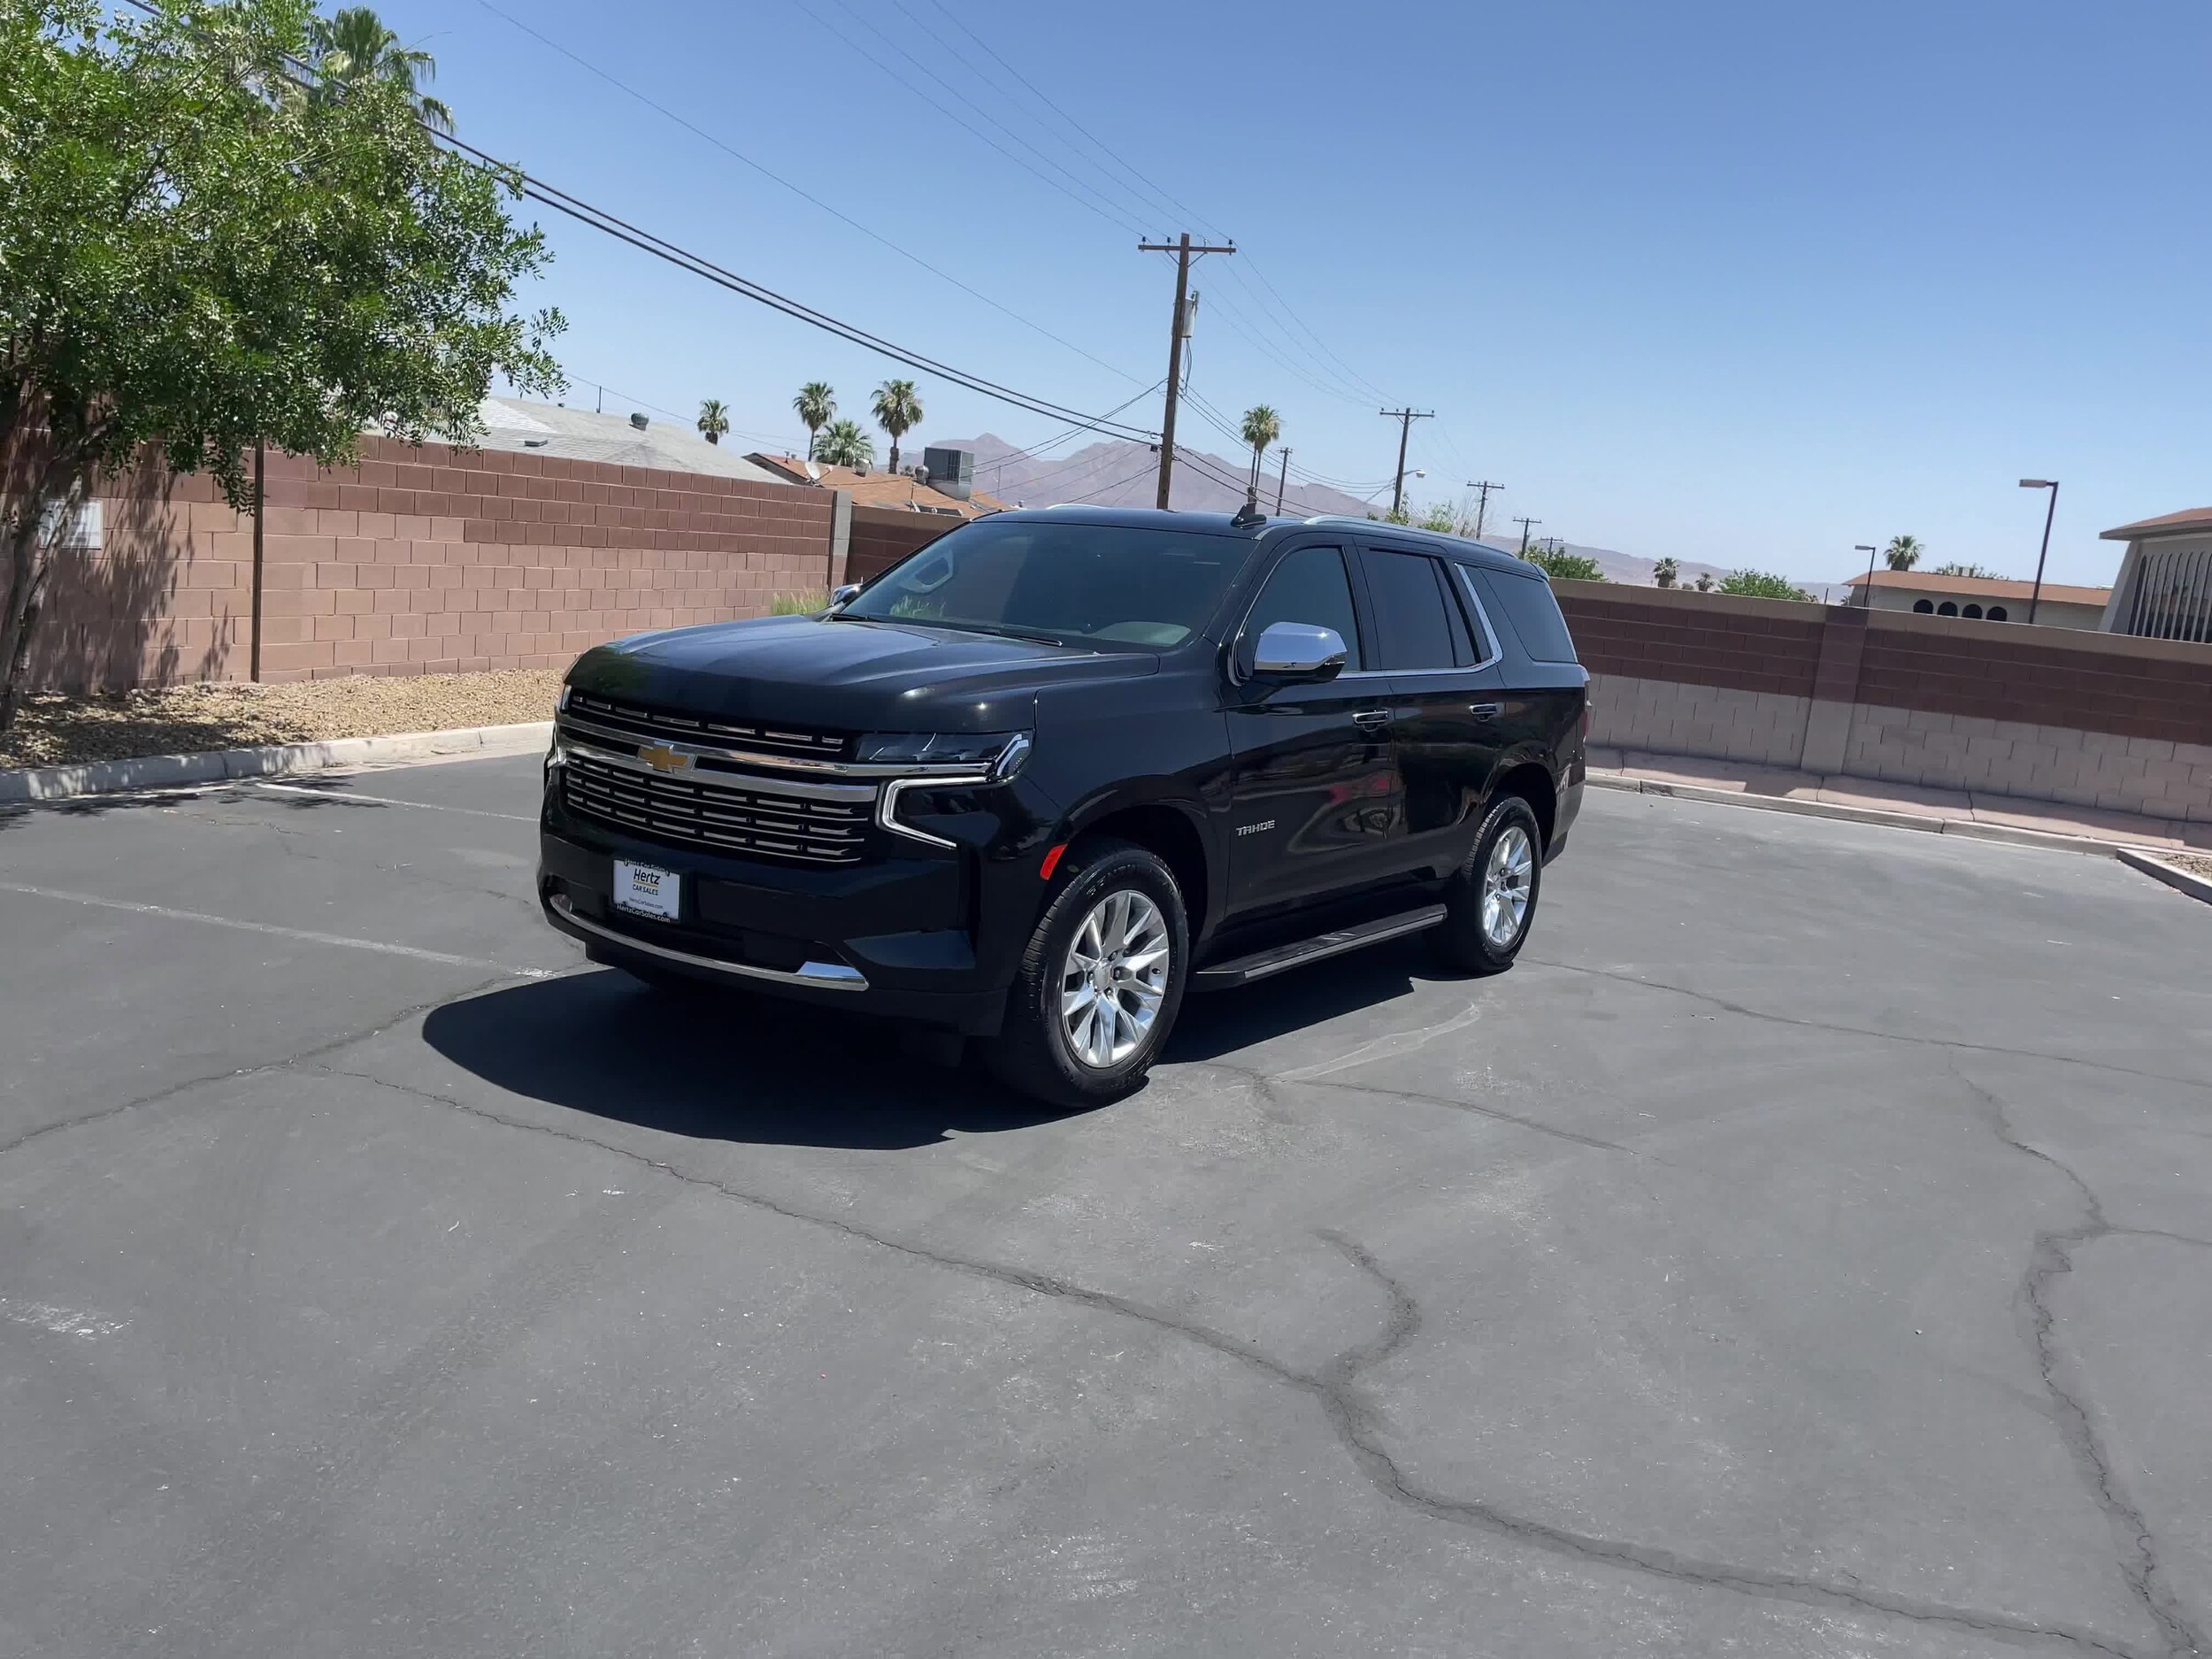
{"x":1446,"y":699}
{"x":1313,"y":795}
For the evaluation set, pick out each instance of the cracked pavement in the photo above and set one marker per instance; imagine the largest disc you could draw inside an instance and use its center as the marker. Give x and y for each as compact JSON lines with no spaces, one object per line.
{"x":1802,"y":1252}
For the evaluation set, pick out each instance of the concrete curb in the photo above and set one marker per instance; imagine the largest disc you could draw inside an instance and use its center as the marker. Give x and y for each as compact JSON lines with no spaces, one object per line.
{"x":2005,"y":834}
{"x":152,"y":772}
{"x":2181,"y":881}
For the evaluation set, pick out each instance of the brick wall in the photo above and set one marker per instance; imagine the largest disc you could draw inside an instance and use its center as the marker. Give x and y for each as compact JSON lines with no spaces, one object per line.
{"x":2045,"y":713}
{"x":419,"y":561}
{"x":881,"y":536}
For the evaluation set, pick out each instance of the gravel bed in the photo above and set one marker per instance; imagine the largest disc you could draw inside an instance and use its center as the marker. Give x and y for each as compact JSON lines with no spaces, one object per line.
{"x":54,"y":730}
{"x":2195,"y":864}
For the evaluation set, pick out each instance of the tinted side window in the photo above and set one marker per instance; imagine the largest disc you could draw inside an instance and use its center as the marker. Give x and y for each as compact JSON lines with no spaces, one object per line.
{"x":1410,"y":620}
{"x":1531,"y":612}
{"x":1309,"y":585}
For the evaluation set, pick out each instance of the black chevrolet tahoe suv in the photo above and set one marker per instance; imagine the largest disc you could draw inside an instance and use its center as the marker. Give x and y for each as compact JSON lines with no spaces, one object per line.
{"x":1046,"y":774}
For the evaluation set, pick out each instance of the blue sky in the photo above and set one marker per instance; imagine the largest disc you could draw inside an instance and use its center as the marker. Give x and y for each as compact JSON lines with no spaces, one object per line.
{"x":1745,"y":284}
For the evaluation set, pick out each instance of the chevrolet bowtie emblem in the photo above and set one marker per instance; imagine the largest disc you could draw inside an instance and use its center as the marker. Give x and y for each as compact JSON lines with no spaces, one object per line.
{"x":660,"y":757}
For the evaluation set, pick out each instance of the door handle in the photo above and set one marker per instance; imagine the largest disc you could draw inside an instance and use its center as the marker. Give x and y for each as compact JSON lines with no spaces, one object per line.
{"x":1485,"y":710}
{"x":1371,"y":718}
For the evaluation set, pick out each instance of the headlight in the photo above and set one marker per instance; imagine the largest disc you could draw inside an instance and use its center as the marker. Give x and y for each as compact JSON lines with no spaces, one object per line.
{"x":999,"y":753}
{"x":561,"y":701}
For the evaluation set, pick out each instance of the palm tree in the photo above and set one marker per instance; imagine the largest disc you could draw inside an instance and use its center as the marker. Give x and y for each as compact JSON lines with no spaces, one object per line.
{"x":1903,"y":552}
{"x":1665,"y":573}
{"x":714,"y":420}
{"x":817,"y":406}
{"x":843,"y":444}
{"x":353,"y":44}
{"x":898,"y":411}
{"x":1262,"y":427}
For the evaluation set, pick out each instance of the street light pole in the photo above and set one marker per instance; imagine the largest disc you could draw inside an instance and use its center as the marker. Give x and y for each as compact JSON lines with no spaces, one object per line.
{"x":2051,"y":513}
{"x":1868,"y":599}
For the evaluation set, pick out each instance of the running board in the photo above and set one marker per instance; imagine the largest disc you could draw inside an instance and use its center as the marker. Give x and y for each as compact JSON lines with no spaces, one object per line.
{"x":1223,"y":975}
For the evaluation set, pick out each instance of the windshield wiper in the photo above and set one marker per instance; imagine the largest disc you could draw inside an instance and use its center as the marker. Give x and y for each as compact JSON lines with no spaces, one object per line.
{"x":975,"y":627}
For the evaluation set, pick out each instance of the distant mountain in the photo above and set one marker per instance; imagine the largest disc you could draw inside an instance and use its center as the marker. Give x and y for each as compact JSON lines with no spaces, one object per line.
{"x":1128,"y":475}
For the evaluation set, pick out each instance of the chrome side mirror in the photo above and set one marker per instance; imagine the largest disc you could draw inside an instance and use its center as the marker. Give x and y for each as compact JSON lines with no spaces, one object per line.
{"x":1298,"y":650}
{"x":848,"y":591}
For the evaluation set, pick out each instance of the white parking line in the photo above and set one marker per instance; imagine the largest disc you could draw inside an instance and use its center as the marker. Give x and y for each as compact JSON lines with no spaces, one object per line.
{"x":343,"y":796}
{"x":299,"y":934}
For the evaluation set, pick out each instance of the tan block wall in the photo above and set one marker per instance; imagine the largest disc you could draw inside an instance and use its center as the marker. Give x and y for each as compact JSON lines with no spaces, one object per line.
{"x":419,"y":561}
{"x":2150,"y":775}
{"x":1720,"y":722}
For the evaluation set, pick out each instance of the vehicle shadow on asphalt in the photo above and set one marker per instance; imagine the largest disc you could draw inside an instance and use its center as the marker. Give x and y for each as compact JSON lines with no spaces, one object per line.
{"x":1221,"y":1023}
{"x":719,"y":1066}
{"x":725,"y":1067}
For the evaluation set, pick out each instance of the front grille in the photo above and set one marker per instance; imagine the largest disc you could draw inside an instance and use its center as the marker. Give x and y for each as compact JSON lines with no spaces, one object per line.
{"x":660,"y":725}
{"x":716,"y":817}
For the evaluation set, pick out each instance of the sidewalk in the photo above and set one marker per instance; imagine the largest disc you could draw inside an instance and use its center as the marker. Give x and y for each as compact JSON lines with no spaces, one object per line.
{"x":1911,"y":806}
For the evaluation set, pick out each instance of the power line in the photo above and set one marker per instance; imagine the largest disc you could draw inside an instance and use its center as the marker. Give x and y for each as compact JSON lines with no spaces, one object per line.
{"x":1109,"y":212}
{"x":600,"y":219}
{"x":1331,"y":366}
{"x":804,"y":195}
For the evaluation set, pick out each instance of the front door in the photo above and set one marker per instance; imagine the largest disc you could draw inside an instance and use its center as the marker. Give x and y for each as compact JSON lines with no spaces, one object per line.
{"x":1315,"y":800}
{"x":1447,"y":702}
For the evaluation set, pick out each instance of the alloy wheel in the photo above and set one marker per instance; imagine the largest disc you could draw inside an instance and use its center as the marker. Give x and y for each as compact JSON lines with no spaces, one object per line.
{"x":1114,"y":978}
{"x":1507,"y":880}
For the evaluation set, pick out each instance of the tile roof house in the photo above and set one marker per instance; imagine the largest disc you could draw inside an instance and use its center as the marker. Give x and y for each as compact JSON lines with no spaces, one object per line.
{"x":1992,"y":599}
{"x":897,"y":490}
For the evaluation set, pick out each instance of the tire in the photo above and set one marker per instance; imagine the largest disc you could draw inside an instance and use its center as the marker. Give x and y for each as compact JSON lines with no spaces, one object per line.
{"x":1474,"y":937}
{"x":1036,"y":1052}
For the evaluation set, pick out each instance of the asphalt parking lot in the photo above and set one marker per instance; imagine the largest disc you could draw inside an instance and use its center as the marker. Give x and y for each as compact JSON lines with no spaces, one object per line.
{"x":1804,"y":1251}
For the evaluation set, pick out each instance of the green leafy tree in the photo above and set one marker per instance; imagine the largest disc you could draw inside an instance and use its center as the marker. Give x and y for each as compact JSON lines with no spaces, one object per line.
{"x":816,"y":406}
{"x":714,"y":420}
{"x":843,"y":444}
{"x":1440,"y":518}
{"x":1555,"y":562}
{"x":1666,"y":573}
{"x":898,"y":410}
{"x":1903,"y":552}
{"x":352,"y":45}
{"x":1980,"y":572}
{"x":1763,"y":585}
{"x":194,"y":258}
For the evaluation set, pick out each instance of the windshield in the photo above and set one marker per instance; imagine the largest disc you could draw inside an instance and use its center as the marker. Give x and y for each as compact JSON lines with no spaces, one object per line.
{"x":1103,"y":584}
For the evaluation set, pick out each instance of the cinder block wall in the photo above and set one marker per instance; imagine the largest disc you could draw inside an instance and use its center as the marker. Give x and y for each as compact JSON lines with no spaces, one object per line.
{"x":418,"y":561}
{"x":881,"y":536}
{"x":2050,"y":714}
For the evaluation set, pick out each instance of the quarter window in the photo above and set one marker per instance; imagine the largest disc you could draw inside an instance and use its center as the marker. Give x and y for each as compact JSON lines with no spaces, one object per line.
{"x":1309,"y":585}
{"x":1532,"y":613}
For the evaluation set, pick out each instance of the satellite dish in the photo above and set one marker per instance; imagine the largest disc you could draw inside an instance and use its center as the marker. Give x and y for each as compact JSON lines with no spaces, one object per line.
{"x":813,"y":472}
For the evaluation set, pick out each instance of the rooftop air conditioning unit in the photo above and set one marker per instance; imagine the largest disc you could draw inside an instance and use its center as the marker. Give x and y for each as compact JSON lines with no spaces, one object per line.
{"x":951,"y":472}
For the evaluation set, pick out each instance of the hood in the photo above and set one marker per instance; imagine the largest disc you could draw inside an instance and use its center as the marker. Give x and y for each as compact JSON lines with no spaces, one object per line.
{"x":847,"y":675}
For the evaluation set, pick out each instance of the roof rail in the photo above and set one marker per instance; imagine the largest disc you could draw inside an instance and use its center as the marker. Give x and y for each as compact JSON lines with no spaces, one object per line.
{"x":1337,"y":518}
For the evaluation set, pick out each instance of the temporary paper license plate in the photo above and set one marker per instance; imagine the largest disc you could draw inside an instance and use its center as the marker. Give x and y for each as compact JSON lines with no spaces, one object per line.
{"x":644,"y":891}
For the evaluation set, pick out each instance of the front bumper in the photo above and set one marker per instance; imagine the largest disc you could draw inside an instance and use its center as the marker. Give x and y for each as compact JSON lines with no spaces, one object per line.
{"x":910,"y":932}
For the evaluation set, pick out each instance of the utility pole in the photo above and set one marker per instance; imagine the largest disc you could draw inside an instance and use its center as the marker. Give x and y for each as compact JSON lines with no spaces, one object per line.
{"x":1482,"y":507}
{"x":1282,"y":482}
{"x":1178,"y":330}
{"x":1525,"y":524}
{"x":1405,"y":418}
